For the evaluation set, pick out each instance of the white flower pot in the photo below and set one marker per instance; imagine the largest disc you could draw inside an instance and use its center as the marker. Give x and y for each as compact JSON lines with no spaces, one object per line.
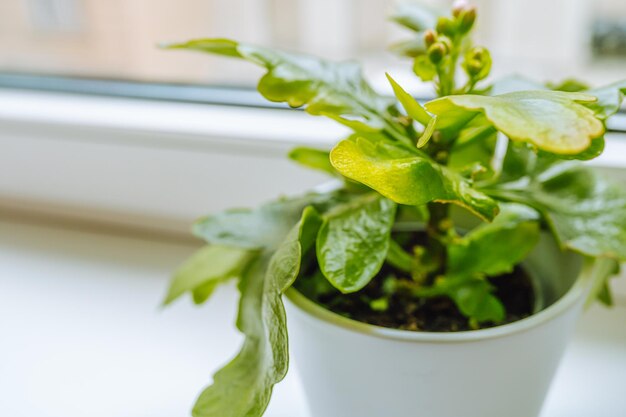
{"x":352,"y":369}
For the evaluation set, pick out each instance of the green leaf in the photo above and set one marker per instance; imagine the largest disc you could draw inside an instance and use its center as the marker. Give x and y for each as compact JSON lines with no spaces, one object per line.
{"x":414,"y":16}
{"x":313,"y":158}
{"x":407,"y":177}
{"x":586,"y":213}
{"x":475,"y":300}
{"x":219,"y":46}
{"x":243,"y":387}
{"x":398,"y":258}
{"x":602,"y":271}
{"x":263,"y":227}
{"x":413,"y":109}
{"x":337,"y":90}
{"x":513,"y":83}
{"x":353,"y":241}
{"x":553,"y":121}
{"x":474,"y":149}
{"x":424,"y":68}
{"x":495,"y":248}
{"x":205,"y":269}
{"x":472,"y":295}
{"x":428,"y":133}
{"x":410,"y":47}
{"x":570,"y":85}
{"x":609,"y":97}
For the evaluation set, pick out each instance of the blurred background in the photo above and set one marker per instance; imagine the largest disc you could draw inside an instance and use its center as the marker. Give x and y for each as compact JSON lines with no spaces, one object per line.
{"x":110,"y":147}
{"x":116,"y":39}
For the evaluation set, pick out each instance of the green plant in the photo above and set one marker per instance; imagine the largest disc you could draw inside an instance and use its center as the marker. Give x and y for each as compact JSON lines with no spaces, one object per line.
{"x":511,"y":159}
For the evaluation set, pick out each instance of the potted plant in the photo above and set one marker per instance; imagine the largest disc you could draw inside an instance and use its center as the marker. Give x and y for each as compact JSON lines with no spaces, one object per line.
{"x":443,"y":272}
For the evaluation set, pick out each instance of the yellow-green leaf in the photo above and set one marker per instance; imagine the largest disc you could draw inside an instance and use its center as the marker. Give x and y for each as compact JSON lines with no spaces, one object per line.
{"x":554,"y":121}
{"x":406,"y":177}
{"x":334,"y":89}
{"x":413,"y":109}
{"x":313,"y":158}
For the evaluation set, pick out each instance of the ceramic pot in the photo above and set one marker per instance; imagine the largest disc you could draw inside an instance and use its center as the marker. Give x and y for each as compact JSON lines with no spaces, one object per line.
{"x":353,"y":369}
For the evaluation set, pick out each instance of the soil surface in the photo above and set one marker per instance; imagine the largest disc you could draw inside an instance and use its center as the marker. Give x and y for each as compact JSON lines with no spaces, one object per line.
{"x":406,"y":312}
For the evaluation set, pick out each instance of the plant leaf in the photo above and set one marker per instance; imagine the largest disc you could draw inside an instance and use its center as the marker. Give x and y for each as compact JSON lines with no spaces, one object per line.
{"x":609,"y":97}
{"x":586,"y":213}
{"x":424,"y":68}
{"x":205,"y":269}
{"x":399,"y":258}
{"x":243,"y":387}
{"x":472,"y":295}
{"x":570,"y":85}
{"x":263,"y":227}
{"x":410,"y":47}
{"x":495,"y":248}
{"x":327,"y":88}
{"x":415,"y":16}
{"x":476,"y":300}
{"x":554,"y":121}
{"x":313,"y":158}
{"x":407,"y":177}
{"x":353,"y":241}
{"x":428,"y":133}
{"x":413,"y":109}
{"x":603,"y":269}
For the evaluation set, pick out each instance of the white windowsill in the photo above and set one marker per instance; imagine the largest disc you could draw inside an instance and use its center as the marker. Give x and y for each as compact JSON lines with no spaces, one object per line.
{"x":159,"y":165}
{"x":81,"y":326}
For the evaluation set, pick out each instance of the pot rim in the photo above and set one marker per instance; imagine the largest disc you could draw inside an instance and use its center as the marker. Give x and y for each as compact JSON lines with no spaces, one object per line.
{"x":568,"y":300}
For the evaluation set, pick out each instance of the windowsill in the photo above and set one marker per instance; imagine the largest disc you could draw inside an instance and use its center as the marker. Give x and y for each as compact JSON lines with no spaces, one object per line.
{"x":82,"y":327}
{"x":159,"y":165}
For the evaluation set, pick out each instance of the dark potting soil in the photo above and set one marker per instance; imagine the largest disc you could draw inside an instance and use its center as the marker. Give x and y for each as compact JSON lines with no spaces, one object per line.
{"x":405,"y":312}
{"x":433,"y":314}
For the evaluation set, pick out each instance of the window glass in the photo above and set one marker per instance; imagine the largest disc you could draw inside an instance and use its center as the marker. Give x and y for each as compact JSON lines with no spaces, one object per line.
{"x":117,"y":39}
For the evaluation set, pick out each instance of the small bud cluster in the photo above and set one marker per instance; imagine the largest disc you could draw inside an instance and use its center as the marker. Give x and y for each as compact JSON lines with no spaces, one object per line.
{"x":448,"y":30}
{"x":477,"y":63}
{"x":445,"y":45}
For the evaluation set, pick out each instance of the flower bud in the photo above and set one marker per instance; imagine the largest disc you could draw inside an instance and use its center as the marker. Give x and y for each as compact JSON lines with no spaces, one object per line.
{"x":459,"y":7}
{"x":466,"y":20}
{"x":430,"y":37}
{"x":477,"y":63}
{"x":446,"y":27}
{"x":436,"y":52}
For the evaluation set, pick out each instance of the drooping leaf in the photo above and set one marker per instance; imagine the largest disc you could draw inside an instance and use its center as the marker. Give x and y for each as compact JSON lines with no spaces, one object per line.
{"x":243,"y":387}
{"x":586,"y":213}
{"x":407,"y":177}
{"x":313,"y":158}
{"x":263,"y":227}
{"x":205,"y":270}
{"x":353,"y":241}
{"x":495,"y":248}
{"x":337,"y":90}
{"x":553,"y":121}
{"x":610,"y":99}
